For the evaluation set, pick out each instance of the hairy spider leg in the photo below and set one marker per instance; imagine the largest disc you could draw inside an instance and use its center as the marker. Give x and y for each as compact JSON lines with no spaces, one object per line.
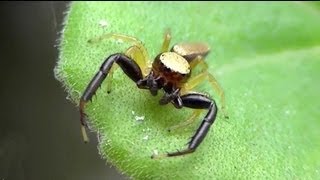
{"x":202,"y":76}
{"x":196,"y":101}
{"x":189,"y":121}
{"x":129,"y":67}
{"x":166,"y":41}
{"x":139,"y":50}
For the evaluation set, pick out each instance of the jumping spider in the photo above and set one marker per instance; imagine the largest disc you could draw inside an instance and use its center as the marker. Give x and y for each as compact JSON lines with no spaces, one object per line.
{"x":170,"y":71}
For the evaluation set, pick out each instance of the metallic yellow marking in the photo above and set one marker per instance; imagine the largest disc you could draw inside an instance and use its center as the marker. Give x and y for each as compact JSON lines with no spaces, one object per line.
{"x":175,"y":62}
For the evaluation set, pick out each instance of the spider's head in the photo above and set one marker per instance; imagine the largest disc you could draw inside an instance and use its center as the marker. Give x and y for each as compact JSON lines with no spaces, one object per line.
{"x":171,"y":69}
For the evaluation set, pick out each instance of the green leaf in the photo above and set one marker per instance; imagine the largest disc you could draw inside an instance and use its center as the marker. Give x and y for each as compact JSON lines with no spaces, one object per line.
{"x":266,"y":56}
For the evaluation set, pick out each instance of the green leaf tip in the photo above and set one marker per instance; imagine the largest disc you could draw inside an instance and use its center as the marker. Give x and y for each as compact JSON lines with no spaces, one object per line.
{"x":266,"y":57}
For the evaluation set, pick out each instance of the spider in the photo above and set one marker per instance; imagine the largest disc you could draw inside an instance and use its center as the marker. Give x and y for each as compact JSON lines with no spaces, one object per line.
{"x":171,"y":72}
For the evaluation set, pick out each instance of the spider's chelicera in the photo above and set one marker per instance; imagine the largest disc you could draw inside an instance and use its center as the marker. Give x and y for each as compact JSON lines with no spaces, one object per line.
{"x":171,"y":71}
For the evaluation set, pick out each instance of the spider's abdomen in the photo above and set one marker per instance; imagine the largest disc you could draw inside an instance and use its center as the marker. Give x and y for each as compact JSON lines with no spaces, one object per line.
{"x":172,"y":67}
{"x":191,"y":50}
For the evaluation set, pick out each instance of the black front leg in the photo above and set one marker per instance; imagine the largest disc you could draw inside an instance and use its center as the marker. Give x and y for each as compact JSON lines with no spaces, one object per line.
{"x":129,"y":67}
{"x":197,"y":101}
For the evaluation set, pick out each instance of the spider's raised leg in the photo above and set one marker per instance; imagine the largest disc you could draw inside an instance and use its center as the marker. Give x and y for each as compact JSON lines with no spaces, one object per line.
{"x":196,"y":101}
{"x":129,"y":67}
{"x":202,"y":76}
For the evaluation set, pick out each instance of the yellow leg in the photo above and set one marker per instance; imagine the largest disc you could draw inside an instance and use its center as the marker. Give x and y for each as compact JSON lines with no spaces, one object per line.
{"x":109,"y":79}
{"x":205,"y":75}
{"x":166,"y":41}
{"x":198,"y":61}
{"x":134,"y":52}
{"x":191,"y":119}
{"x":138,"y":50}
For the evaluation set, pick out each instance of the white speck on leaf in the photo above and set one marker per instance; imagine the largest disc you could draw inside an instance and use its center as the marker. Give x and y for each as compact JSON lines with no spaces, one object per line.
{"x":119,"y":41}
{"x":146,"y":137}
{"x":155,"y":152}
{"x":132,"y":112}
{"x":139,"y":118}
{"x":103,"y":23}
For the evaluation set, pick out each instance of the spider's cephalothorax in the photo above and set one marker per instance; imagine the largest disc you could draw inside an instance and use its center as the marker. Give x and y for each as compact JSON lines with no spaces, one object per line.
{"x":170,"y":71}
{"x":171,"y":67}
